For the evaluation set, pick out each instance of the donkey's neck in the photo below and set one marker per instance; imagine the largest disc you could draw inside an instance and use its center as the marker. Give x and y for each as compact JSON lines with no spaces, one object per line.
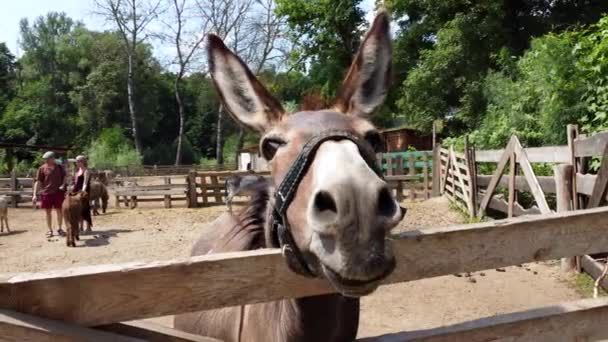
{"x":331,"y":317}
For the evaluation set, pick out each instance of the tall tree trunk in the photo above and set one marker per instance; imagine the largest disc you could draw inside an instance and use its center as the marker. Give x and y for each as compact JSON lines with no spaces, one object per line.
{"x":180,"y":109}
{"x":219,"y":147}
{"x":132,"y":111}
{"x":239,"y":145}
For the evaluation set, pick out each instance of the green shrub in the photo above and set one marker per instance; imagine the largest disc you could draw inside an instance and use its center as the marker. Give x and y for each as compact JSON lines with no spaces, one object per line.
{"x":112,"y":149}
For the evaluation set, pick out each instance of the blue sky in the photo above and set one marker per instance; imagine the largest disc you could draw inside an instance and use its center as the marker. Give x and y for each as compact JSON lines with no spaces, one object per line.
{"x":13,"y":10}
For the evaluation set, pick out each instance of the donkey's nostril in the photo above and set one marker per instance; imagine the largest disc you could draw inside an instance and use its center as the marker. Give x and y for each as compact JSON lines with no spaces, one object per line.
{"x":324,"y":201}
{"x":386,"y":204}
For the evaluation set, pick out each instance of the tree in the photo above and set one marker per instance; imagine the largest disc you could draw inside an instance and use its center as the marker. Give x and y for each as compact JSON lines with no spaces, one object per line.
{"x":8,"y":76}
{"x":444,"y":50}
{"x":325,"y":34}
{"x":131,"y":19}
{"x":248,"y":27}
{"x":186,"y":41}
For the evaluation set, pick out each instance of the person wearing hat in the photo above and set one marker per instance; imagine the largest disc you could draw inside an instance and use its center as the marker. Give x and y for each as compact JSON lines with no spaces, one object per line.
{"x":50,"y":182}
{"x":82,"y":182}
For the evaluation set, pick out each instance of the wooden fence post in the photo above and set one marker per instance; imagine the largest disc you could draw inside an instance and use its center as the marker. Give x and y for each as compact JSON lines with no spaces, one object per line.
{"x":436,"y":171}
{"x":512,"y":175}
{"x":563,"y":195}
{"x":14,"y":187}
{"x":191,"y":195}
{"x":572,"y":133}
{"x":167,"y":181}
{"x":469,"y":154}
{"x":425,"y":174}
{"x":412,"y":173}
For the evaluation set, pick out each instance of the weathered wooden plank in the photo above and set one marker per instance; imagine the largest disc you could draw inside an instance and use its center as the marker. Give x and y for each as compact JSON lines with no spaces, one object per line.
{"x":563,"y":199}
{"x":583,"y":320}
{"x":465,"y":191}
{"x":152,"y":332}
{"x":592,"y":146}
{"x":19,"y":327}
{"x":546,"y":154}
{"x":498,"y":203}
{"x":601,"y":181}
{"x":148,"y":199}
{"x":512,"y":172}
{"x":572,"y":134}
{"x":132,"y":291}
{"x":445,"y":171}
{"x":160,"y":193}
{"x":436,"y":171}
{"x":425,"y":175}
{"x":585,"y":183}
{"x":526,"y":167}
{"x":495,"y":178}
{"x":547,"y":183}
{"x":167,"y":198}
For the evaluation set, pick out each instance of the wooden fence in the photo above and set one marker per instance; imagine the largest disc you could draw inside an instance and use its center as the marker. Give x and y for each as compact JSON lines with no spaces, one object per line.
{"x":60,"y":303}
{"x":165,"y":170}
{"x":456,"y":178}
{"x":208,"y":188}
{"x":408,"y":174}
{"x":168,"y":190}
{"x":571,"y":185}
{"x":19,"y":190}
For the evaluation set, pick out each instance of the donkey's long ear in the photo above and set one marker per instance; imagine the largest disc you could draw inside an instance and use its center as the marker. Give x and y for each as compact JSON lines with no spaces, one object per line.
{"x":244,"y":97}
{"x":369,"y":76}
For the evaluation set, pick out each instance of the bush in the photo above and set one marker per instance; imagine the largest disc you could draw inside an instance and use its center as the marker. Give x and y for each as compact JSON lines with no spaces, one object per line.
{"x":112,"y":149}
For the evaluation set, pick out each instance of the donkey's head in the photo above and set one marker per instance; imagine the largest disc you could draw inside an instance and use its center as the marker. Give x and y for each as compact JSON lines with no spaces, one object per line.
{"x":341,"y":210}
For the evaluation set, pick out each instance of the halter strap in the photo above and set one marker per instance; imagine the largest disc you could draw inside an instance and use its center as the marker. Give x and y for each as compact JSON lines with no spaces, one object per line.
{"x":288,"y":187}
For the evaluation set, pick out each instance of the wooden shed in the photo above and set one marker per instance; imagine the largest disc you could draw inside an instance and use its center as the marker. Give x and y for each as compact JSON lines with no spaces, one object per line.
{"x":401,"y":138}
{"x":250,"y":159}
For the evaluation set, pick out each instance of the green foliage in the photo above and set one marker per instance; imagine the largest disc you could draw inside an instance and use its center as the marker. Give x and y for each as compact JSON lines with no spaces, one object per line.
{"x":326,"y":34}
{"x":592,"y":50}
{"x":112,"y":149}
{"x":447,"y":50}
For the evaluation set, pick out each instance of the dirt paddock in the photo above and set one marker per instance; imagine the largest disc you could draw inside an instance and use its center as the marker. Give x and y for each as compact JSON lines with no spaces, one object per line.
{"x":152,"y":233}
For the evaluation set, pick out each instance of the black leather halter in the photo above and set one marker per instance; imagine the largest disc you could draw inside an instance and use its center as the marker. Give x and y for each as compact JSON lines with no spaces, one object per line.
{"x":284,"y":194}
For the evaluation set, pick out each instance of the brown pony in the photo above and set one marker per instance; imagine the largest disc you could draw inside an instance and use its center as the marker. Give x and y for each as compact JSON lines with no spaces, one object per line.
{"x":72,"y":214}
{"x":339,"y":216}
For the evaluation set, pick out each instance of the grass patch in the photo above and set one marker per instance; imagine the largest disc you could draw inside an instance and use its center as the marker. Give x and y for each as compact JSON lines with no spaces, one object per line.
{"x":583,"y":283}
{"x":459,"y":208}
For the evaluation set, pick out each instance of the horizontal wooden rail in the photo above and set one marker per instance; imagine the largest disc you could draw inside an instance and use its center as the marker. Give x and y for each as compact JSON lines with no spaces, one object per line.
{"x":583,"y":320}
{"x":149,"y":331}
{"x":546,"y":154}
{"x":15,"y":326}
{"x":112,"y":293}
{"x":592,"y":146}
{"x":547,"y":183}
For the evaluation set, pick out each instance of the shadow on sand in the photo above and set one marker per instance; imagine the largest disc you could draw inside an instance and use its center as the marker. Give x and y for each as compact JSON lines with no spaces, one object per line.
{"x":101,"y":237}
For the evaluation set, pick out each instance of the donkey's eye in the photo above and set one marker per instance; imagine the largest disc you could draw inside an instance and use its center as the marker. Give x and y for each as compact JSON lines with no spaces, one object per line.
{"x":270,"y":147}
{"x":374,"y":139}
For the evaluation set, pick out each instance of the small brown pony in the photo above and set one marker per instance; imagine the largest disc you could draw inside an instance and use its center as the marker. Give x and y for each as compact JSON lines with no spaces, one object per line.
{"x":72,"y":214}
{"x":327,"y":206}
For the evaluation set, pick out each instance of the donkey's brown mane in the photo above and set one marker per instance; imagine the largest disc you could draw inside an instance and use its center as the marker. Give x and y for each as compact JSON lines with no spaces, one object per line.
{"x":247,"y":232}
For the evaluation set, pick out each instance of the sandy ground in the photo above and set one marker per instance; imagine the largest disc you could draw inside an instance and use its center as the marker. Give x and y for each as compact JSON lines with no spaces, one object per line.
{"x":153,"y":233}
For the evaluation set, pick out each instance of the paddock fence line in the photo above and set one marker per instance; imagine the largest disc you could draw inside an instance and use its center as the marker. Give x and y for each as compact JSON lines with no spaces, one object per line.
{"x":30,"y":303}
{"x":409,"y":174}
{"x":572,"y":186}
{"x":17,"y":189}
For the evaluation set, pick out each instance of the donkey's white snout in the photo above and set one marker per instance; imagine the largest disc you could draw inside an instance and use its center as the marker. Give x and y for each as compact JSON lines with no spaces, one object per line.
{"x":346,"y":190}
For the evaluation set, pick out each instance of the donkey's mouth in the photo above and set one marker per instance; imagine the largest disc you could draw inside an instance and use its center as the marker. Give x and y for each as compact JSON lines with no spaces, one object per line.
{"x":349,"y":287}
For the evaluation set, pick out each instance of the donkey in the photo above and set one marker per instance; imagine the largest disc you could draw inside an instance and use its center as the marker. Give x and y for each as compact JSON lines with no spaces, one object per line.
{"x":329,"y":210}
{"x":97,"y":192}
{"x":243,"y":185}
{"x":4,"y":214}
